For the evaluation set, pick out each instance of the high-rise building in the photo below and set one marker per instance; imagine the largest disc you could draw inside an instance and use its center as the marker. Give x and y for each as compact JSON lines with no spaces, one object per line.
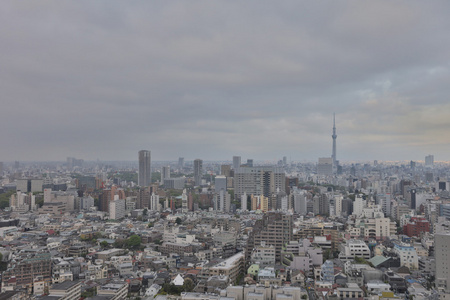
{"x":222,"y":201}
{"x":105,"y":198}
{"x":225,"y":170}
{"x":154,"y":202}
{"x":442,"y":255}
{"x":273,"y":229}
{"x":145,"y":174}
{"x":261,"y":180}
{"x":1,"y":167}
{"x":184,"y":202}
{"x":220,"y":183}
{"x":244,"y":202}
{"x":236,"y":162}
{"x":117,"y":209}
{"x":249,"y":162}
{"x":429,"y":160}
{"x":144,"y":196}
{"x":29,"y":185}
{"x":198,"y":171}
{"x":334,"y":136}
{"x":300,"y":203}
{"x":180,"y":163}
{"x":325,"y":166}
{"x":165,"y":173}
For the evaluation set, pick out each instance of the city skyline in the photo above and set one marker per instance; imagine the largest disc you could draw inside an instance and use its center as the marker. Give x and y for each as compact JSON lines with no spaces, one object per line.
{"x":261,"y":84}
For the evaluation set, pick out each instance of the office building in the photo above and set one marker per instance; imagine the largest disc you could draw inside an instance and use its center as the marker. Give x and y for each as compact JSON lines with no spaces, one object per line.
{"x":258,"y":181}
{"x":325,"y":166}
{"x":220,"y":183}
{"x":300,"y":203}
{"x":180,"y":163}
{"x":88,"y":183}
{"x":250,"y":162}
{"x":236,"y":162}
{"x":429,"y":160}
{"x":29,"y":185}
{"x":198,"y":171}
{"x":442,"y":255}
{"x":165,"y":174}
{"x":174,"y":183}
{"x":145,"y":174}
{"x":352,"y":249}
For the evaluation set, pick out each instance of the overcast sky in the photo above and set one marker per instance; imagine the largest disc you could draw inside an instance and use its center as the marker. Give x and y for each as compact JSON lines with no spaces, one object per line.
{"x":213,"y":79}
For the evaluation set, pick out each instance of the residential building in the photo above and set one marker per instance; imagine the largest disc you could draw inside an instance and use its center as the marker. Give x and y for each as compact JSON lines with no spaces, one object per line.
{"x":273,"y":229}
{"x":67,"y":290}
{"x":145,"y":174}
{"x":198,"y":171}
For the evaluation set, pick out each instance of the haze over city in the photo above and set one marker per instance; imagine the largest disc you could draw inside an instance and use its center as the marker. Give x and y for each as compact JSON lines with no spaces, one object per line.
{"x":205,"y":79}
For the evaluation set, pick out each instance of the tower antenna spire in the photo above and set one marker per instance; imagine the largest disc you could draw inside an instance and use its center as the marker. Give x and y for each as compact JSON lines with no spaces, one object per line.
{"x":334,"y":136}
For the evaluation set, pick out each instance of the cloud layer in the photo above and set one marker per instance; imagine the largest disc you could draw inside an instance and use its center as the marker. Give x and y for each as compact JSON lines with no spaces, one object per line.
{"x":212,"y":79}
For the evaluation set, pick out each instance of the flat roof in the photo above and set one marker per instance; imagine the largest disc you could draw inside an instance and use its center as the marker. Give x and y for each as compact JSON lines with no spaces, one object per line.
{"x":64,"y":285}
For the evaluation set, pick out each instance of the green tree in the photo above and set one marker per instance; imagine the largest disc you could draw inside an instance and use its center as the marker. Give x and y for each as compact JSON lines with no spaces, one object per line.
{"x":188,"y":285}
{"x":104,"y":244}
{"x":119,"y":243}
{"x":156,"y":176}
{"x":326,"y":255}
{"x":133,"y":242}
{"x":4,"y":199}
{"x":178,"y":221}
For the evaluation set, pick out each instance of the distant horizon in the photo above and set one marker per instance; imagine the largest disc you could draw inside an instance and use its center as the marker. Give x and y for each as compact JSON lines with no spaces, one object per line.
{"x":229,"y":161}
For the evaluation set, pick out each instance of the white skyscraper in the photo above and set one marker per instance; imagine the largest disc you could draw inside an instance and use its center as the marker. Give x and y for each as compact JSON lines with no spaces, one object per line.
{"x":358,"y":205}
{"x":47,"y":195}
{"x":154,"y":202}
{"x":338,"y":205}
{"x":117,"y":208}
{"x":222,"y":201}
{"x":184,"y":202}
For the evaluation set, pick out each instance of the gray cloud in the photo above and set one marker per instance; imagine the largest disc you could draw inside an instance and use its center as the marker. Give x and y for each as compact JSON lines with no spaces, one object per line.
{"x":208,"y":79}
